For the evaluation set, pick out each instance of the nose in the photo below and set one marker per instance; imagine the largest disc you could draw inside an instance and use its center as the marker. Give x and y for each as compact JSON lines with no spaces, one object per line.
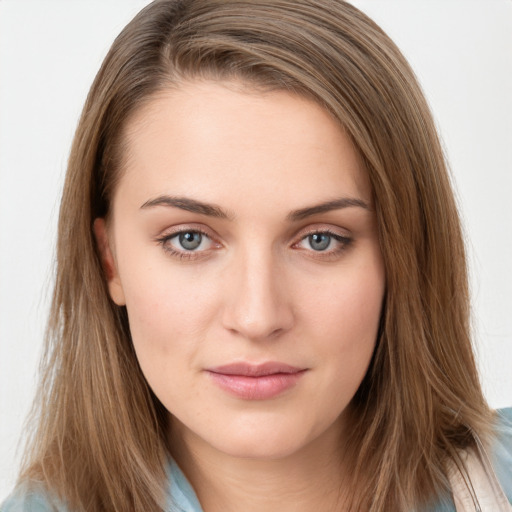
{"x":258,"y":302}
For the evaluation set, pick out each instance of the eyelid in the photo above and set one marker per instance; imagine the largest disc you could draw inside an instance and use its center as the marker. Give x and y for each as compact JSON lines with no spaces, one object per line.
{"x":184,"y":228}
{"x":322,"y":228}
{"x":174,"y":231}
{"x":343,"y":241}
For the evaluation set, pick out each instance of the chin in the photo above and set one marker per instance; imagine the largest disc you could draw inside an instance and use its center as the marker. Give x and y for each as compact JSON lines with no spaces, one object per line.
{"x":261,"y":442}
{"x":261,"y":449}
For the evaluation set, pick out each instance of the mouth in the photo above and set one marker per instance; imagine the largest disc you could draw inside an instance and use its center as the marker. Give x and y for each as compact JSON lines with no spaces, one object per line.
{"x":256,"y":382}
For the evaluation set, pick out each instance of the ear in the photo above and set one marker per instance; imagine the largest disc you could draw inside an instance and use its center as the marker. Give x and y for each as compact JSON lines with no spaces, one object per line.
{"x":109,"y":264}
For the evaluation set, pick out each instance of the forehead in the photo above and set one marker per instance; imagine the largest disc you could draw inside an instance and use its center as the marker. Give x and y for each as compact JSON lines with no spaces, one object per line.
{"x":214,"y":139}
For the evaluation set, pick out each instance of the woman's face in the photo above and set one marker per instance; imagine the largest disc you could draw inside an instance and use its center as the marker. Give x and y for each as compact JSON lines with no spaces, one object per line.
{"x":244,"y":245}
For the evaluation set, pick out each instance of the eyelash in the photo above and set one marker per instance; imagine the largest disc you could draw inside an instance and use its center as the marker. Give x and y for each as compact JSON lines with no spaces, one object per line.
{"x":182,"y":255}
{"x":343,"y":241}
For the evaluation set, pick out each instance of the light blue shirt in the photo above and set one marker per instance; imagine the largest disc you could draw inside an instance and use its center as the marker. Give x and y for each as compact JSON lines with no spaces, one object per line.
{"x":182,"y":497}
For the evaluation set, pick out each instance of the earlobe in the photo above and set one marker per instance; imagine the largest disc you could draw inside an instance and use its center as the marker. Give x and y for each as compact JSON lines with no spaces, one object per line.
{"x":108,"y":262}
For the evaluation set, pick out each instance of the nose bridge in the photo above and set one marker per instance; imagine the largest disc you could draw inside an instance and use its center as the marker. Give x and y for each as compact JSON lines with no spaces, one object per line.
{"x":258,"y":305}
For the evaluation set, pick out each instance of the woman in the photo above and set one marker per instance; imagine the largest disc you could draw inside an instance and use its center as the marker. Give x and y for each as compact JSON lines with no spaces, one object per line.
{"x":261,"y":298}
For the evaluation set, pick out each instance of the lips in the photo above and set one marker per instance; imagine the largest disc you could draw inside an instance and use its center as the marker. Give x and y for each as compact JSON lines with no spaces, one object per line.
{"x":256,"y":382}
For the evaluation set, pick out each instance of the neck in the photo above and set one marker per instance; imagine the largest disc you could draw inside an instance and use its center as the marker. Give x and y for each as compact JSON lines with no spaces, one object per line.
{"x":309,"y":479}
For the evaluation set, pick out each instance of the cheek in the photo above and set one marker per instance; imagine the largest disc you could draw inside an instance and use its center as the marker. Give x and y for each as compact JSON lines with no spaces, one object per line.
{"x":349,"y":304}
{"x":167,"y":328}
{"x":344,"y":320}
{"x":169,"y":315}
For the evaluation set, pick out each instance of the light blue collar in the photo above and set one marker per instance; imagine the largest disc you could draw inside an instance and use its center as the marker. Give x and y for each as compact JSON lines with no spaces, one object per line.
{"x":182,"y":497}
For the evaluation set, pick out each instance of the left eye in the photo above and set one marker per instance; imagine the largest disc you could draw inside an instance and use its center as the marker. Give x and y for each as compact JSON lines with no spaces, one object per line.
{"x":323,"y":242}
{"x":319,"y":241}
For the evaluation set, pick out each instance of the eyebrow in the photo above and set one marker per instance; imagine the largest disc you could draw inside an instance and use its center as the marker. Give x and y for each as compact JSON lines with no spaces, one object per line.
{"x":212,"y":210}
{"x":335,"y":204}
{"x":190,"y":205}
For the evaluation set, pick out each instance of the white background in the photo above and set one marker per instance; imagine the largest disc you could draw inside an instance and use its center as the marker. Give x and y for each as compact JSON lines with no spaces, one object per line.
{"x":50,"y":51}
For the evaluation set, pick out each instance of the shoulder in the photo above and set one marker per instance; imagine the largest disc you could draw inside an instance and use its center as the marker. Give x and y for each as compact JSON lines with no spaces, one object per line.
{"x":27,"y":498}
{"x":502,"y":450}
{"x":500,"y":454}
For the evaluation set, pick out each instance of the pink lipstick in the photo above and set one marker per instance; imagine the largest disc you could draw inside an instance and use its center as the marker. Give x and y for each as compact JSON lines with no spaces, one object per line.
{"x":256,"y":382}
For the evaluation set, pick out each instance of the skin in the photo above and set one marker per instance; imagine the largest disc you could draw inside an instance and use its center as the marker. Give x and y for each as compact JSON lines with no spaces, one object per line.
{"x":257,"y":289}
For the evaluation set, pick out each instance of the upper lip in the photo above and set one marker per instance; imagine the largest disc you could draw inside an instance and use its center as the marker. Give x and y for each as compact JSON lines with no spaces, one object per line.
{"x":255,"y":370}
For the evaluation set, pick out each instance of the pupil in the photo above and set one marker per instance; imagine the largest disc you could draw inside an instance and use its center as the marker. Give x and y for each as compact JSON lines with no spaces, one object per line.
{"x":319,"y":242}
{"x":190,"y":240}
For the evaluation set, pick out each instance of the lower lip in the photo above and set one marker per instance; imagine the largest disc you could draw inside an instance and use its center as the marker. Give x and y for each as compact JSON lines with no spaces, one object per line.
{"x":263,"y":387}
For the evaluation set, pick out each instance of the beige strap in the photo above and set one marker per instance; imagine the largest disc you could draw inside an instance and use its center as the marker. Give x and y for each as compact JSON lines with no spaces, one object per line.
{"x":474,"y":484}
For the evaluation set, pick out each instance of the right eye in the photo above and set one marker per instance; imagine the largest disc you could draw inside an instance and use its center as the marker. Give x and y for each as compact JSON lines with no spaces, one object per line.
{"x":186,"y":243}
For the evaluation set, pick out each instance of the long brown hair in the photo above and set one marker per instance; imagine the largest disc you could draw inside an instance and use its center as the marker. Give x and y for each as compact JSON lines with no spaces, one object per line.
{"x":99,"y":441}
